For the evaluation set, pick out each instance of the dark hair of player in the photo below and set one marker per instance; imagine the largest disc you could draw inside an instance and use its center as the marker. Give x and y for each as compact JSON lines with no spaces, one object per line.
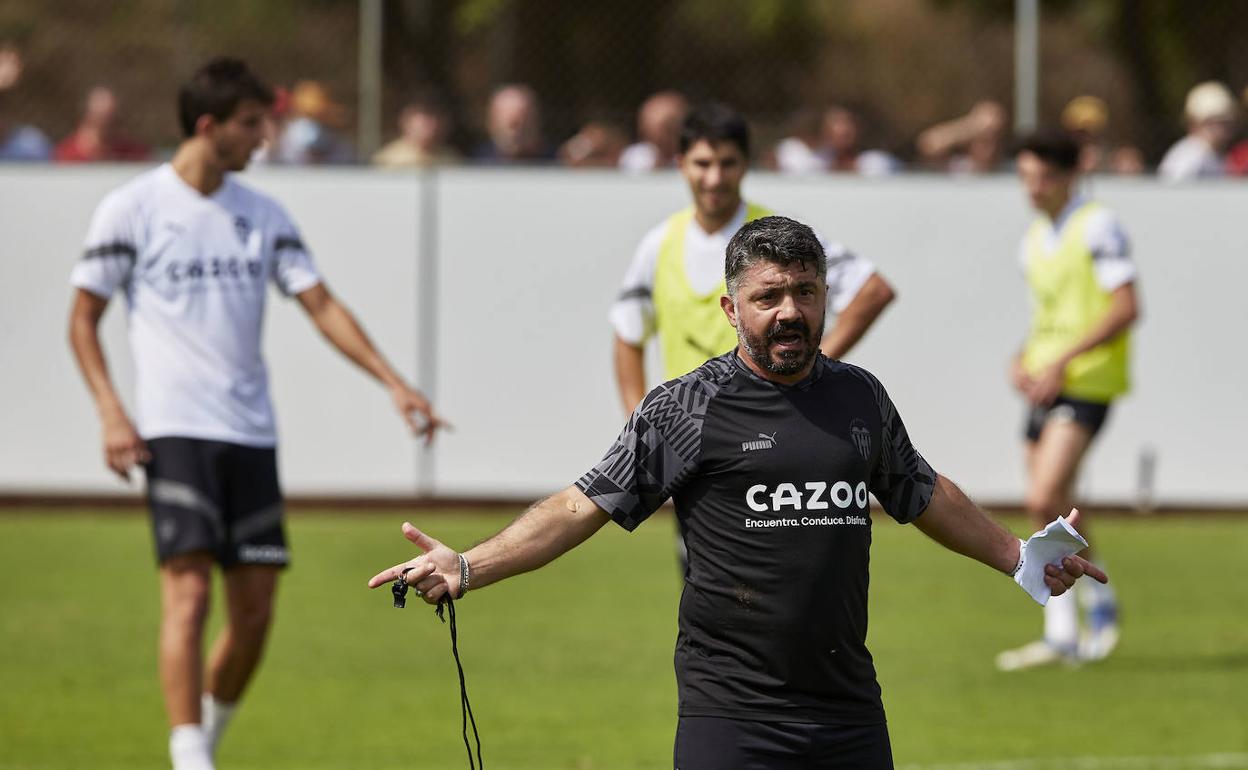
{"x":715,"y":123}
{"x":779,"y":240}
{"x":1056,"y":148}
{"x":217,"y":89}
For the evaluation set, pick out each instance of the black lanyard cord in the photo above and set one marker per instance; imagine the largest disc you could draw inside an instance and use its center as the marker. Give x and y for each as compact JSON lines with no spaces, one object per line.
{"x":399,"y":589}
{"x":465,"y":706}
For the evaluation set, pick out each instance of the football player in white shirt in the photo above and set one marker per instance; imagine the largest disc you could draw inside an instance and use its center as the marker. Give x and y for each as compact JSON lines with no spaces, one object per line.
{"x":193,"y":251}
{"x":672,"y":287}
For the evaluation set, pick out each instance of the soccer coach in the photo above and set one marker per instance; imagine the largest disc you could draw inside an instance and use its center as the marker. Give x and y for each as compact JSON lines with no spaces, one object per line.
{"x":769,"y":452}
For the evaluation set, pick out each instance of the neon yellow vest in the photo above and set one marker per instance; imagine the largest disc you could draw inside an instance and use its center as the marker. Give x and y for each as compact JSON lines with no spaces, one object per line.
{"x":1068,"y":303}
{"x":691,"y":326}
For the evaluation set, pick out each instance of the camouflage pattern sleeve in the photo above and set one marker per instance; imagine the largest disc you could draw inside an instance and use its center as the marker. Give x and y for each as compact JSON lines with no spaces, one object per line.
{"x":657,"y":451}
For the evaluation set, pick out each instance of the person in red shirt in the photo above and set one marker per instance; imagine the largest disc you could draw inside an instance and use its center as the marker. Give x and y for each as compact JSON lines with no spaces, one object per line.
{"x":97,"y":137}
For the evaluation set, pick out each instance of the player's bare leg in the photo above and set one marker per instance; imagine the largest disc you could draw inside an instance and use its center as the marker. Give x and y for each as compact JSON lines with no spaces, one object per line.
{"x":1056,"y":458}
{"x":185,"y":588}
{"x":1052,"y":468}
{"x":185,"y":585}
{"x":249,"y":594}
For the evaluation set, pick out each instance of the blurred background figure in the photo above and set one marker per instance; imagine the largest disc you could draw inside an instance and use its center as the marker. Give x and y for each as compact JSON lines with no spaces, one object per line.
{"x":274,"y":125}
{"x":1086,"y":119}
{"x":17,"y":141}
{"x":598,"y":144}
{"x":1210,"y":113}
{"x":842,"y":136}
{"x":1127,"y":160}
{"x":514,"y":124}
{"x":424,"y":124}
{"x":801,"y":151}
{"x":98,"y":136}
{"x":658,"y":133}
{"x":971,"y":144}
{"x":1237,"y":158}
{"x":311,"y":135}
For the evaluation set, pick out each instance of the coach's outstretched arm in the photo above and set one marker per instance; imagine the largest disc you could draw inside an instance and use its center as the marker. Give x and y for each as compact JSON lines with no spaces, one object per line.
{"x":541,"y":534}
{"x":955,"y":522}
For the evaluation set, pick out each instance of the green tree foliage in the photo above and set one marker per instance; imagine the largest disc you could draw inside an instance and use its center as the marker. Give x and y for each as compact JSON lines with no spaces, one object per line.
{"x":1166,"y":46}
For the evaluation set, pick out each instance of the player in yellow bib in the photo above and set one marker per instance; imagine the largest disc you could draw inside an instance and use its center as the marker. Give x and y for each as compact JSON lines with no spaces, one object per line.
{"x":674,"y":283}
{"x":1072,"y":366}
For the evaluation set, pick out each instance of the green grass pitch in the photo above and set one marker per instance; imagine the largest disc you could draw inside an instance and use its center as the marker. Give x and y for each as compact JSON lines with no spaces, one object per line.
{"x":570,"y":667}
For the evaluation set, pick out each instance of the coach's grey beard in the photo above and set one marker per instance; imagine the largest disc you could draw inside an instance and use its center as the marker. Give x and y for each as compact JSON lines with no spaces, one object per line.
{"x":759,"y":348}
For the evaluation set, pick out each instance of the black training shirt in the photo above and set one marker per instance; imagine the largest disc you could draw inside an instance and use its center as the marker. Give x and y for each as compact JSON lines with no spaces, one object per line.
{"x":770,"y":484}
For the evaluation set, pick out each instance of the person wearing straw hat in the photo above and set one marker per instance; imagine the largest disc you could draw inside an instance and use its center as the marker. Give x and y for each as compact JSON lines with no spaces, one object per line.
{"x":311,"y":135}
{"x":1210,"y":112}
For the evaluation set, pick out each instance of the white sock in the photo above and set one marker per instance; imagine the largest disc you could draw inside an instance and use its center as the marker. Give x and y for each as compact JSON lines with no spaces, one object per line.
{"x":1061,"y":621}
{"x":188,"y":748}
{"x":217,"y":715}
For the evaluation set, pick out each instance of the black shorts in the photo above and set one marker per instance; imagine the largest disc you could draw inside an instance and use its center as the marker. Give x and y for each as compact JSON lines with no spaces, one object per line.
{"x":1089,"y":414}
{"x":718,"y":743}
{"x":217,"y":497}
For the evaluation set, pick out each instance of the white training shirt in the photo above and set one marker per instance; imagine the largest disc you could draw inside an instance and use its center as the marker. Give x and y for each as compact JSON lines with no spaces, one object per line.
{"x":1108,"y":242}
{"x":195,"y":271}
{"x":632,"y":314}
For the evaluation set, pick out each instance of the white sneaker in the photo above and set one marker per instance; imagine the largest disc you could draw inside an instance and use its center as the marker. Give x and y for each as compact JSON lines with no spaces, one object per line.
{"x":1033,"y":654}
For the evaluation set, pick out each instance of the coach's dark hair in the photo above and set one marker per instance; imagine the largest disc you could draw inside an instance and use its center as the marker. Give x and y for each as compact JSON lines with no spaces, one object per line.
{"x":1051,"y":146}
{"x":779,"y":240}
{"x":217,"y":89}
{"x":715,"y":123}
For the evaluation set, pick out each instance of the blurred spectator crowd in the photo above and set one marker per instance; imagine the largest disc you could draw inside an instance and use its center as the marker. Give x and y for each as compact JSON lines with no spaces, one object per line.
{"x":309,"y":126}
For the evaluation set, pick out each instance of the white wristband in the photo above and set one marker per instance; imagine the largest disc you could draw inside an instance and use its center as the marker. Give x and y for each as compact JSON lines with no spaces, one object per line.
{"x":1022,"y":551}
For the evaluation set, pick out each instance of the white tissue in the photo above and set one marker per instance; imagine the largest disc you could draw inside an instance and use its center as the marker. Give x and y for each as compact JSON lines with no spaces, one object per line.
{"x":1048,"y":546}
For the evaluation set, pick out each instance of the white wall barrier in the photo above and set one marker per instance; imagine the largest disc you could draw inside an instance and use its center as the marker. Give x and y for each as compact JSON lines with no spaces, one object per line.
{"x":490,"y":288}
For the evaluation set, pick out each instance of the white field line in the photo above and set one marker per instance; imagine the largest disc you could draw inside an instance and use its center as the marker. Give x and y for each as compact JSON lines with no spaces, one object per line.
{"x":1224,"y":761}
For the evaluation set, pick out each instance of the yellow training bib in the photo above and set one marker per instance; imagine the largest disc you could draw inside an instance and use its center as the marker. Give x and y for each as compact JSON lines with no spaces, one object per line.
{"x":691,"y":326}
{"x":1068,"y":303}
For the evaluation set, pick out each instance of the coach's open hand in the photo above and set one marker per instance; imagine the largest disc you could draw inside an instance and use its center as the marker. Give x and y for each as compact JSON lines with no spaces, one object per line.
{"x":433,"y":574}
